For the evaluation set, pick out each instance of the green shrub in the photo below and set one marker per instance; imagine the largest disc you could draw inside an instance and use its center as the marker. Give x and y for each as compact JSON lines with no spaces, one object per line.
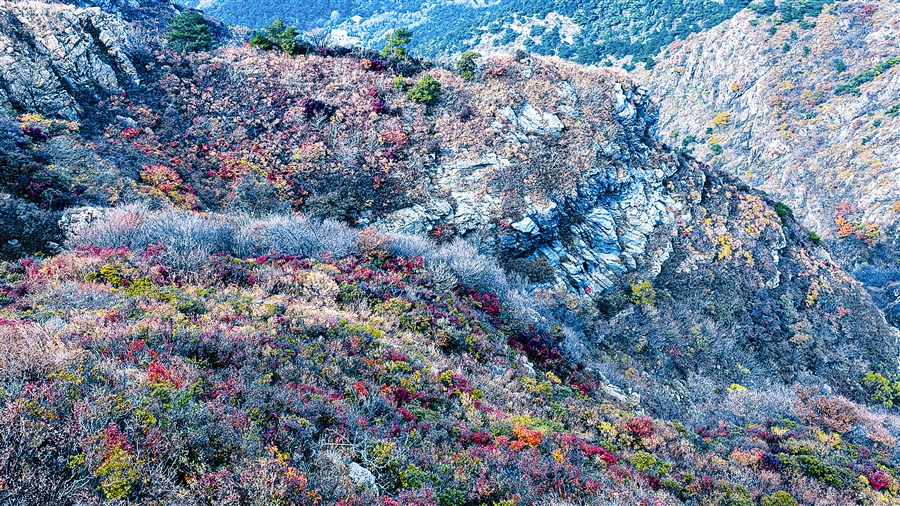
{"x":642,"y":293}
{"x":275,"y":35}
{"x":451,"y":497}
{"x":784,"y":212}
{"x":648,"y":462}
{"x":188,"y":33}
{"x":867,"y":76}
{"x":716,"y":148}
{"x":779,"y":498}
{"x":881,"y":390}
{"x":117,"y":473}
{"x":425,"y":91}
{"x":834,"y":476}
{"x":764,"y":9}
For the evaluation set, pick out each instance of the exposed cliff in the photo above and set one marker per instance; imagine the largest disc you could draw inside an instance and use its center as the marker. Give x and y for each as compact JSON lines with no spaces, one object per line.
{"x":58,"y":59}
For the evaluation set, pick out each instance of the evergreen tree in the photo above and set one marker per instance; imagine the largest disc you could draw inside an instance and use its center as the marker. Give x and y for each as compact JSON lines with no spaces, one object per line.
{"x":397,"y":42}
{"x":188,"y":32}
{"x":466,"y":65}
{"x":425,"y":91}
{"x":278,"y":34}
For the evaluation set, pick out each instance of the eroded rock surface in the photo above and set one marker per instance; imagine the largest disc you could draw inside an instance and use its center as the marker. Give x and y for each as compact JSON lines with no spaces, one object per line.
{"x":57,"y":59}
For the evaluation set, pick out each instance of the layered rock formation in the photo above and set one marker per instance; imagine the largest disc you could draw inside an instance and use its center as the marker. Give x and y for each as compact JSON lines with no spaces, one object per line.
{"x":591,"y":232}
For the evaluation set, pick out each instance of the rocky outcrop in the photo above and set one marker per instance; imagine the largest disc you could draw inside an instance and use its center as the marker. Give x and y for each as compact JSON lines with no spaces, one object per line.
{"x":58,"y":59}
{"x":689,"y":268}
{"x":554,"y":169}
{"x":591,"y":234}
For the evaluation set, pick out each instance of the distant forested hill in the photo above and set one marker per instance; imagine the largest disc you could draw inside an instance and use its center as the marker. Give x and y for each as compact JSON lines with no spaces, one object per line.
{"x":302,"y":13}
{"x":588,"y":31}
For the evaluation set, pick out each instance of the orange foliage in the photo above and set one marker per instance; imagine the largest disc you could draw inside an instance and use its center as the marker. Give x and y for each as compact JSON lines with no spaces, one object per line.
{"x":528,"y":436}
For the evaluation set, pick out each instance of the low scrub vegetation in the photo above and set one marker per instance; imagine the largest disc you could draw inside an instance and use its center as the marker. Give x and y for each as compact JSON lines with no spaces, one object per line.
{"x":204,"y":359}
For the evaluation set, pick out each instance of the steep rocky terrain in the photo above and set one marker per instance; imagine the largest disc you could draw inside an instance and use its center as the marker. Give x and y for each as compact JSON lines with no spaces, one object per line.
{"x":59,"y":58}
{"x":530,"y":271}
{"x":71,"y":54}
{"x":806,"y":113}
{"x":551,"y":168}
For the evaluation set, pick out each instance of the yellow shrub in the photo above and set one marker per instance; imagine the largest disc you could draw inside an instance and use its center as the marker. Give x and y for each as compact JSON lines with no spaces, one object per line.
{"x":722,"y":119}
{"x":117,"y":473}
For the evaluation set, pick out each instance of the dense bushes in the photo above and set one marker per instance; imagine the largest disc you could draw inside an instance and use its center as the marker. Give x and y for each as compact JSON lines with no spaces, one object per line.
{"x":30,"y":196}
{"x":26,"y":228}
{"x":426,"y":90}
{"x":190,"y":239}
{"x":290,"y":378}
{"x":24,"y":173}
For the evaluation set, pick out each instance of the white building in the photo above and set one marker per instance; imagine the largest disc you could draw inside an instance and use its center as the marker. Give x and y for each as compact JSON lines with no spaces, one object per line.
{"x":342,"y":38}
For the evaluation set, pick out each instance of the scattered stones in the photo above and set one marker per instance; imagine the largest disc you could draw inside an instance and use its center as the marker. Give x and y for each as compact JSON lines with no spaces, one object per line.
{"x":362,"y":477}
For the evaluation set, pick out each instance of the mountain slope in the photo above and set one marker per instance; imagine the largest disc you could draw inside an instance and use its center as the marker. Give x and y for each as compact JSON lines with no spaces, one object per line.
{"x":359,"y":377}
{"x":534,"y":285}
{"x":645,"y":236}
{"x":807,"y":114}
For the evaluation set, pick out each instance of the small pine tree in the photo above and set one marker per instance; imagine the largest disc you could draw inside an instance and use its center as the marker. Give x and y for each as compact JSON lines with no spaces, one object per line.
{"x":397,"y":42}
{"x":466,"y":65}
{"x":278,"y":34}
{"x":188,"y":32}
{"x":425,"y":91}
{"x":261,"y":41}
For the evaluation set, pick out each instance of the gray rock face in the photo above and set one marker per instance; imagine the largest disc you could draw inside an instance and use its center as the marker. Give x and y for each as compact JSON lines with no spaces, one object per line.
{"x":592,"y":234}
{"x":75,"y":219}
{"x":782,"y":125}
{"x":55,"y":58}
